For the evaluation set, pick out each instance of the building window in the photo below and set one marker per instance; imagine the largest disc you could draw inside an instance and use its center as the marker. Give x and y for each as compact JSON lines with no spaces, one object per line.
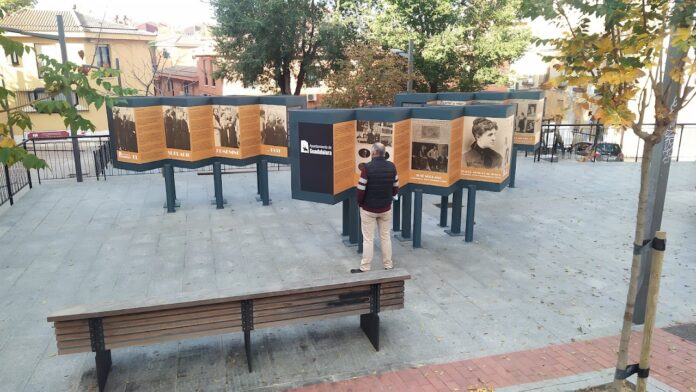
{"x":50,"y":51}
{"x":205,"y":72}
{"x":212,"y":73}
{"x":14,"y":59}
{"x":187,"y":90}
{"x":24,"y":98}
{"x":103,"y":56}
{"x":170,"y":85}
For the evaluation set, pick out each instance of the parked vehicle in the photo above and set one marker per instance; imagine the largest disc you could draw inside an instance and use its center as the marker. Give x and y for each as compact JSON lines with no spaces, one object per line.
{"x":609,"y":152}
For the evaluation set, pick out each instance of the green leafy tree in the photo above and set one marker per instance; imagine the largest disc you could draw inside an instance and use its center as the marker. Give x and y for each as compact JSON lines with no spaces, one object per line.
{"x":627,"y":61}
{"x":369,"y":76}
{"x":269,"y":43}
{"x":58,"y":78}
{"x":13,"y":5}
{"x":457,"y":45}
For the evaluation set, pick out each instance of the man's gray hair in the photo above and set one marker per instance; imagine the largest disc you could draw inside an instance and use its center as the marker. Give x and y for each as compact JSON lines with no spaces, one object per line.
{"x":378,"y":150}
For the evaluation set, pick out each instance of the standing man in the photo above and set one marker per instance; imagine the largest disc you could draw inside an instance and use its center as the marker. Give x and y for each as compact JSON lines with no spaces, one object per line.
{"x":377,"y":186}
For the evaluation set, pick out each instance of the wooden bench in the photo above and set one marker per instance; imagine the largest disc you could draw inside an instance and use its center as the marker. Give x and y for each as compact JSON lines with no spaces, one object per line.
{"x":98,"y":329}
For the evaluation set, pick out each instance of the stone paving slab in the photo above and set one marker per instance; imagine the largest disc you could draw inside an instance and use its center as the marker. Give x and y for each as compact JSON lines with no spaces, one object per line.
{"x":549,"y":264}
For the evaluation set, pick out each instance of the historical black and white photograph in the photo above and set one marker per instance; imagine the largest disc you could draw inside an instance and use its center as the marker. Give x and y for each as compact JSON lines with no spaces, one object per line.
{"x":124,"y":129}
{"x":369,"y":133}
{"x":485,"y":142}
{"x":430,"y":157}
{"x":521,"y":121}
{"x":226,"y":124}
{"x":531,"y":110}
{"x":530,"y":126}
{"x":430,"y":147}
{"x":274,"y":130}
{"x":176,"y":127}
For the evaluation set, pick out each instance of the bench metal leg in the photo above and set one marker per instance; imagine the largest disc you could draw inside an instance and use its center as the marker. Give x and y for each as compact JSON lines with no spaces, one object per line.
{"x":103,"y":359}
{"x":247,"y":348}
{"x":369,"y":323}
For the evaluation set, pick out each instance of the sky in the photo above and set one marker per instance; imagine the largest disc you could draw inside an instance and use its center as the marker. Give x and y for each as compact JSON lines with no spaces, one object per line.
{"x":174,"y":12}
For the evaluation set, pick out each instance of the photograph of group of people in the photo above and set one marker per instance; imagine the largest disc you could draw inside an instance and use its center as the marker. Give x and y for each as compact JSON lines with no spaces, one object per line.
{"x":526,"y":119}
{"x":226,"y":125}
{"x":274,"y":127}
{"x":487,"y":143}
{"x":176,"y":127}
{"x":124,"y":128}
{"x":369,"y":133}
{"x":430,"y":146}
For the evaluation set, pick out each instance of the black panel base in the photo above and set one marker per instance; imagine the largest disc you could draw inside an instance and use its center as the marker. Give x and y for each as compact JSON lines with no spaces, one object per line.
{"x":369,"y":323}
{"x":349,"y":244}
{"x":258,"y":198}
{"x":214,"y":202}
{"x":103,"y":359}
{"x":177,"y":204}
{"x":402,"y":238}
{"x":450,"y":233}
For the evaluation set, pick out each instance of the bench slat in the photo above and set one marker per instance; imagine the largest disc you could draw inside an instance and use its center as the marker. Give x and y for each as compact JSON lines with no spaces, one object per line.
{"x":164,"y":334}
{"x":167,"y":338}
{"x":118,"y":321}
{"x":364,"y":307}
{"x":305,"y":301}
{"x":306,"y":307}
{"x":128,"y":330}
{"x":285,"y":298}
{"x":229,"y":306}
{"x":306,"y":319}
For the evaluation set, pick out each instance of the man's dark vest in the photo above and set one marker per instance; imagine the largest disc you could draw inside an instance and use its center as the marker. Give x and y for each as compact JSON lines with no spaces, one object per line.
{"x":380,"y":179}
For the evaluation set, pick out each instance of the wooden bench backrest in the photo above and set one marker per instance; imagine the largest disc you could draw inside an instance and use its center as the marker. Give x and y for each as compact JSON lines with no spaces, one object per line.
{"x":154,"y":321}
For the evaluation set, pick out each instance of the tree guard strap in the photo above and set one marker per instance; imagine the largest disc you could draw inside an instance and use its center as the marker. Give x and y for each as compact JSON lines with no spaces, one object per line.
{"x":659,"y":244}
{"x":638,"y":249}
{"x":631,"y":370}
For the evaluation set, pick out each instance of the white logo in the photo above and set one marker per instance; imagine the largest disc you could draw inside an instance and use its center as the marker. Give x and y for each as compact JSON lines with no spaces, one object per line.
{"x":304,"y":146}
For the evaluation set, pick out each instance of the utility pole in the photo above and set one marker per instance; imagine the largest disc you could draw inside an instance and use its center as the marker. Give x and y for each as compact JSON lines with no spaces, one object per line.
{"x":409,"y":86}
{"x":69,"y":98}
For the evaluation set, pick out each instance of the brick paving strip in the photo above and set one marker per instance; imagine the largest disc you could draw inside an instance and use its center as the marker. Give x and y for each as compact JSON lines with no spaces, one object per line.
{"x":673,"y":362}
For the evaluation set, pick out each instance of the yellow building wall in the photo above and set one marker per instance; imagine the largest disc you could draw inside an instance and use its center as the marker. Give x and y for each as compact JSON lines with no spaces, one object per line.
{"x":133,"y":54}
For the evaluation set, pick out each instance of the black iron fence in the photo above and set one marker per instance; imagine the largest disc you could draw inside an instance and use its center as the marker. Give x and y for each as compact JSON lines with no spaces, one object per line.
{"x":580,"y":141}
{"x":96,"y":159}
{"x":12,"y":180}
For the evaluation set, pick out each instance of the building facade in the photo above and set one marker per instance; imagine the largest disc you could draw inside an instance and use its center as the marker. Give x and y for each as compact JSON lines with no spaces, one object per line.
{"x":103,"y":44}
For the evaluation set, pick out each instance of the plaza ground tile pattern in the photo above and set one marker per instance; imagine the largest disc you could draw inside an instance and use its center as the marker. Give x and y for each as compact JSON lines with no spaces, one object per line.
{"x":548,"y":265}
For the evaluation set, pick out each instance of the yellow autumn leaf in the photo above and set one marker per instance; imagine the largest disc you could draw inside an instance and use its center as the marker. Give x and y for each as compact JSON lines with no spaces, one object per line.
{"x":604,"y":45}
{"x":681,"y":34}
{"x":7,"y":142}
{"x":677,"y":74}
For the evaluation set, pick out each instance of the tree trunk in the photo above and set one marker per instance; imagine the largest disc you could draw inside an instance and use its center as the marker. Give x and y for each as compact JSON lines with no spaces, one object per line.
{"x":300,"y":79}
{"x":622,"y":360}
{"x":432,"y":86}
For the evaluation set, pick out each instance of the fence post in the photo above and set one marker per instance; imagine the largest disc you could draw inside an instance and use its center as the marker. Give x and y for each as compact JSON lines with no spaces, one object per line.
{"x":9,"y":183}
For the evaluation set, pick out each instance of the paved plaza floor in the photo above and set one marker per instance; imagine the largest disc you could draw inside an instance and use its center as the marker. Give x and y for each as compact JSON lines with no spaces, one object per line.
{"x":549,"y":266}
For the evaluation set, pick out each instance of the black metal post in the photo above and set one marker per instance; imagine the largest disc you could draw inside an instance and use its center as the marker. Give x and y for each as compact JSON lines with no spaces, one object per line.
{"x":406,"y":217}
{"x":169,"y":187}
{"x":69,"y":98}
{"x":9,"y":184}
{"x":470,"y":211}
{"x":345,"y":223}
{"x":456,"y":228}
{"x":217,"y":183}
{"x":28,"y":171}
{"x":353,"y":216}
{"x":418,"y":217}
{"x":513,"y":166}
{"x":263,"y":178}
{"x":258,"y":178}
{"x":247,"y":309}
{"x":396,"y":216}
{"x":38,"y":171}
{"x":444,"y":200}
{"x":360,"y":234}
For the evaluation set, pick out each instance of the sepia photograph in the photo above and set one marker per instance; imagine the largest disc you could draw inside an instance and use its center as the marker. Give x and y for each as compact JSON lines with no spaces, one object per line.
{"x":274,"y":130}
{"x":485,"y":142}
{"x":124,"y":129}
{"x":369,"y":133}
{"x":530,"y":126}
{"x":176,"y":127}
{"x":430,"y":157}
{"x":226,"y":124}
{"x":531,"y":109}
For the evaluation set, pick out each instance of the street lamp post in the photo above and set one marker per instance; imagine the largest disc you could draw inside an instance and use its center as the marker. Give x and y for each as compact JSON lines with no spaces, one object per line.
{"x":409,"y":56}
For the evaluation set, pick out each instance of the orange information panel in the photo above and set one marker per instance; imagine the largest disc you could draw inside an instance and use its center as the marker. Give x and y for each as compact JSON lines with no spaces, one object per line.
{"x":343,"y":156}
{"x":139,"y":134}
{"x":431,"y":149}
{"x":487,"y":148}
